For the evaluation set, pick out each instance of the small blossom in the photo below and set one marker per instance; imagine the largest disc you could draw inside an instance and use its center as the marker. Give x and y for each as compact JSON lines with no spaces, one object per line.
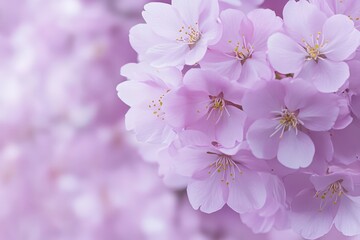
{"x":176,"y":34}
{"x":241,"y":52}
{"x":292,"y":109}
{"x":314,"y":47}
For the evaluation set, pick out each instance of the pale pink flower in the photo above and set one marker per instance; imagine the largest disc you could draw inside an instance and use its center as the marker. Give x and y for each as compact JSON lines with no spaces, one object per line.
{"x":350,"y":8}
{"x":240,"y":54}
{"x":314,"y":47}
{"x":176,"y":34}
{"x":145,"y":92}
{"x":210,"y":103}
{"x":333,"y":200}
{"x":219,"y":176}
{"x":285,"y":113}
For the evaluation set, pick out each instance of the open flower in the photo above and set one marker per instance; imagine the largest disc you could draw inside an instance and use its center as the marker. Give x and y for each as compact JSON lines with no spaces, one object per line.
{"x":145,"y":93}
{"x":333,"y":200}
{"x":241,"y":52}
{"x":350,"y":8}
{"x":285,"y":112}
{"x":314,"y":46}
{"x":176,"y":34}
{"x":210,"y":103}
{"x":219,"y":176}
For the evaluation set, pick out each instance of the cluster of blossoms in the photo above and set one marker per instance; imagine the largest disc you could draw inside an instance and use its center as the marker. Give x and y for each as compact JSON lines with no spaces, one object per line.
{"x":251,"y":110}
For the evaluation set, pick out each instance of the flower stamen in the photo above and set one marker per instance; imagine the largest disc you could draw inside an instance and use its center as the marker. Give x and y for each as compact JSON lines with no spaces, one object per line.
{"x":189,"y":35}
{"x":333,"y":192}
{"x":156,"y":105}
{"x":314,"y":49}
{"x":219,"y":104}
{"x":227,"y":166}
{"x":243,"y":50}
{"x":287,"y":120}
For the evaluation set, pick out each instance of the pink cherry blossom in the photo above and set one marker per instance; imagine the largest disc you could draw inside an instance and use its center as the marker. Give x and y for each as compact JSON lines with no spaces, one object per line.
{"x":348,"y":8}
{"x":334,"y":200}
{"x":292,"y":109}
{"x":176,"y":34}
{"x":146,"y":116}
{"x":241,"y":52}
{"x":314,"y":47}
{"x":219,"y":176}
{"x":210,"y":103}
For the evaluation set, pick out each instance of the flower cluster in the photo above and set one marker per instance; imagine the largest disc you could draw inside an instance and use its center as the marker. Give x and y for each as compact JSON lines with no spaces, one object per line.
{"x":251,"y":110}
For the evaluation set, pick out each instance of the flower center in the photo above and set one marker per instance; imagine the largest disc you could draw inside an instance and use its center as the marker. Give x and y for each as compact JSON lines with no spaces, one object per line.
{"x":219,"y":105}
{"x":243,"y":50}
{"x":314,"y":48}
{"x":333,"y":192}
{"x":287,"y":120}
{"x":189,"y":35}
{"x":156,"y":105}
{"x":226,"y":166}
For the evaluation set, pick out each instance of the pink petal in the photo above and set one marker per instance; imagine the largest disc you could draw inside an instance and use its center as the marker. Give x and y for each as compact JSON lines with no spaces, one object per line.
{"x":265,"y":98}
{"x":265,"y":23}
{"x":322,"y":182}
{"x":163,"y":19}
{"x":183,"y":107}
{"x":194,"y":138}
{"x":295,"y":150}
{"x":231,"y":31}
{"x":167,"y":54}
{"x":247,"y":192}
{"x":231,"y":128}
{"x":207,"y":81}
{"x":196,"y":54}
{"x":222,"y":64}
{"x":347,"y":219}
{"x":320,"y":113}
{"x":255,"y":69}
{"x":328,"y":76}
{"x":298,"y":93}
{"x":307,"y":219}
{"x":147,"y":129}
{"x":343,"y":38}
{"x":258,"y":224}
{"x":260,"y":142}
{"x":285,"y":55}
{"x":302,"y":19}
{"x":189,"y":161}
{"x":142,"y":38}
{"x":207,"y":195}
{"x":324,"y":148}
{"x":127,"y":92}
